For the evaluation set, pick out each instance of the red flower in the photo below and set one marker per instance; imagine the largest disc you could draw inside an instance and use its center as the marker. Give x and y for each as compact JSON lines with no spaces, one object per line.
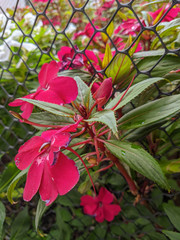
{"x":52,"y":89}
{"x":51,"y":172}
{"x":68,"y":59}
{"x":103,"y":92}
{"x":101,"y":206}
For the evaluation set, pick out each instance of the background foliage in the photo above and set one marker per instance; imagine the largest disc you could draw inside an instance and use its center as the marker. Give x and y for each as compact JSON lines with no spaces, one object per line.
{"x":34,"y":35}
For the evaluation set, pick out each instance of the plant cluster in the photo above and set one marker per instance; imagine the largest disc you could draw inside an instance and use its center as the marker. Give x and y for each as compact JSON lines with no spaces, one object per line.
{"x":109,"y":101}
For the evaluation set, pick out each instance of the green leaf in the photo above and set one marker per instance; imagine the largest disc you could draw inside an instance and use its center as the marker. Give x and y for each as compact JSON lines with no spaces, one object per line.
{"x":47,"y":118}
{"x":173,"y":213}
{"x":119,"y":68}
{"x":8,"y":175}
{"x":107,"y":117}
{"x":171,"y":235}
{"x":2,"y":218}
{"x":64,"y":229}
{"x":14,"y":183}
{"x":168,"y":27}
{"x":20,"y":225}
{"x":151,"y":112}
{"x":76,"y":72}
{"x":139,"y":133}
{"x":157,"y":236}
{"x":151,"y":53}
{"x":84,"y":96}
{"x":138,"y":159}
{"x":167,"y":64}
{"x":86,"y":185}
{"x":107,"y":56}
{"x":171,"y":166}
{"x":41,"y":208}
{"x":51,"y":107}
{"x":133,"y":92}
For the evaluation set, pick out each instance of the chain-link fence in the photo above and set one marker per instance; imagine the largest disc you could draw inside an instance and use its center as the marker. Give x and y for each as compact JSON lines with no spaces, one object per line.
{"x":33,"y":35}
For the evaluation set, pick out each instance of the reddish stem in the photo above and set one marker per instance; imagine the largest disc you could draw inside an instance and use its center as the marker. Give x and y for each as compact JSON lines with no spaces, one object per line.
{"x":105,"y":168}
{"x":123,"y":94}
{"x":75,"y":153}
{"x":93,"y":106}
{"x":123,"y":171}
{"x":80,"y":143}
{"x":79,"y":133}
{"x":106,"y":131}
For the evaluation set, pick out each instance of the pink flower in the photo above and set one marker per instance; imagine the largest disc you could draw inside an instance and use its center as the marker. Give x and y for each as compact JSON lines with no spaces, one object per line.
{"x":68,"y":59}
{"x":51,"y":172}
{"x":103,"y":92}
{"x":52,"y":89}
{"x":66,"y":55}
{"x":160,"y":12}
{"x":100,"y":206}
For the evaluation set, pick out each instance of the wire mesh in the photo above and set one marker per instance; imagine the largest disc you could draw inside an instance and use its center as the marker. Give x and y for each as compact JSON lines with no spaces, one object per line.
{"x":15,"y":84}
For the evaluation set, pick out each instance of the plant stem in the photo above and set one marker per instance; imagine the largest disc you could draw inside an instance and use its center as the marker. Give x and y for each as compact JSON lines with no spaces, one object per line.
{"x":123,"y":171}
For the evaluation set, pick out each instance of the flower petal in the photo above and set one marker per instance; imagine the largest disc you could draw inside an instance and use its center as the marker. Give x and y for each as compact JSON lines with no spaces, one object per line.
{"x":49,"y":96}
{"x":99,"y":215}
{"x":110,"y":211}
{"x":26,"y":107}
{"x":65,"y":87}
{"x":105,"y":196}
{"x":48,"y":189}
{"x":28,"y":152}
{"x":48,"y":71}
{"x":65,"y":174}
{"x":89,"y":204}
{"x":63,"y":51}
{"x":34,"y":177}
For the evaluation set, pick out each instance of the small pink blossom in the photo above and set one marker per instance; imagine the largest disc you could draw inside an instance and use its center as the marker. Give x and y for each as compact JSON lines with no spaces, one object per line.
{"x":51,"y":172}
{"x":52,"y":89}
{"x":100,"y":206}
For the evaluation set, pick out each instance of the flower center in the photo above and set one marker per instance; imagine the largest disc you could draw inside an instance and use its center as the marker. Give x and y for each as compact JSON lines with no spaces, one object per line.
{"x":44,"y":146}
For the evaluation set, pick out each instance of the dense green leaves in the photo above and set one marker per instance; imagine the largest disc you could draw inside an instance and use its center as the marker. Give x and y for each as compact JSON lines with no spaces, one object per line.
{"x":133,"y":92}
{"x":138,"y":159}
{"x":20,"y":225}
{"x":51,"y":107}
{"x":8,"y":175}
{"x":2,"y":218}
{"x":152,"y":112}
{"x":173,"y":213}
{"x":166,"y":30}
{"x":107,"y":117}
